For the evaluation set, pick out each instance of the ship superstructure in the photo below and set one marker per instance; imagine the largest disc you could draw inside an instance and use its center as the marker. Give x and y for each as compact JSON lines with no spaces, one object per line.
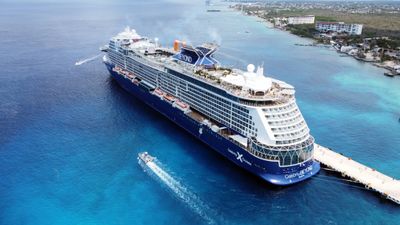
{"x":249,"y":118}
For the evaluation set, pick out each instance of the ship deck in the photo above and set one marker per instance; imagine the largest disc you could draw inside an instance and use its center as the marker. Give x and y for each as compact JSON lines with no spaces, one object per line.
{"x":213,"y":76}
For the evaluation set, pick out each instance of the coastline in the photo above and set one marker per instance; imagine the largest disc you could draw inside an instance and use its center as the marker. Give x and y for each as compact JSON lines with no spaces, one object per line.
{"x":387,"y":65}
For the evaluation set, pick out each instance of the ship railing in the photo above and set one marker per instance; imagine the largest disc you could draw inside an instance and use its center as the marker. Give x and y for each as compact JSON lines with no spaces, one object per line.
{"x":139,"y":58}
{"x":262,"y":103}
{"x":286,"y":122}
{"x":288,"y":105}
{"x":282,"y":130}
{"x":283,"y":116}
{"x":288,"y":108}
{"x":290,"y":136}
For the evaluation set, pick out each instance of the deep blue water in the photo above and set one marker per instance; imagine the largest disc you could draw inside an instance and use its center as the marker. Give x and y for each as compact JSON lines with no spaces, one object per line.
{"x":70,"y":135}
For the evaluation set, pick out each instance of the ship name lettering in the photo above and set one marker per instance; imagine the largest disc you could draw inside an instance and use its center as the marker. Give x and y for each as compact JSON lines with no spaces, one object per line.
{"x":186,"y":58}
{"x":299,"y":173}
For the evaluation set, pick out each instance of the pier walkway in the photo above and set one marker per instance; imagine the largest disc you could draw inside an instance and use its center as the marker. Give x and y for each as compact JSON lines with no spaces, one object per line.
{"x":372,"y":179}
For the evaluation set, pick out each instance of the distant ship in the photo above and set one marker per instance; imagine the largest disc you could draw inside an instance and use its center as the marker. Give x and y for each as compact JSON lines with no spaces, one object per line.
{"x":213,"y":10}
{"x":250,"y":119}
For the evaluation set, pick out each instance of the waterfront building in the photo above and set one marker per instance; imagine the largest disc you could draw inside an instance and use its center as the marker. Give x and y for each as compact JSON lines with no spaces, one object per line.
{"x":352,"y":29}
{"x":295,"y":20}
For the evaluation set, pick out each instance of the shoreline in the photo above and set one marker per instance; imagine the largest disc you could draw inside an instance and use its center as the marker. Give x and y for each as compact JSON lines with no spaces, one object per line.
{"x":390,"y":71}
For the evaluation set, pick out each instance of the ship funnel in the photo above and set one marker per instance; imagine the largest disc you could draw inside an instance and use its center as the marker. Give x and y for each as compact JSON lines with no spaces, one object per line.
{"x":176,"y":45}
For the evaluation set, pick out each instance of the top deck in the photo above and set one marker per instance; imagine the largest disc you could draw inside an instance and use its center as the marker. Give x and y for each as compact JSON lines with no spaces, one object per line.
{"x":198,"y":63}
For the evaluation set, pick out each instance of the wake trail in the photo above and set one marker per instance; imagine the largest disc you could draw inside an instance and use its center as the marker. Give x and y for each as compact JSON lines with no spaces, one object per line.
{"x":83,"y":61}
{"x":179,"y":190}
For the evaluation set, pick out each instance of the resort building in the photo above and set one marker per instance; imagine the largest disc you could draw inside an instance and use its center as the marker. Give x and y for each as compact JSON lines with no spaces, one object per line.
{"x":352,"y":29}
{"x":301,"y":20}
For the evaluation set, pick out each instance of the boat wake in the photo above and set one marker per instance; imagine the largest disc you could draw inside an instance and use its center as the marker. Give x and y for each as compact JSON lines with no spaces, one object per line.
{"x":178,"y":190}
{"x":83,"y":61}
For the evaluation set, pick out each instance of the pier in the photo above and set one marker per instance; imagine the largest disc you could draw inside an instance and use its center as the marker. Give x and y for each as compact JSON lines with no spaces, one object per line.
{"x":372,"y":179}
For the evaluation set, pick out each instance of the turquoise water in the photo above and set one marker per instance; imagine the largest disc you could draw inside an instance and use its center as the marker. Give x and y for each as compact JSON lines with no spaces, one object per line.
{"x":70,"y":135}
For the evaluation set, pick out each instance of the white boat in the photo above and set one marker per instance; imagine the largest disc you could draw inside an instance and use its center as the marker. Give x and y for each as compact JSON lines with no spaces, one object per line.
{"x":145,"y":157}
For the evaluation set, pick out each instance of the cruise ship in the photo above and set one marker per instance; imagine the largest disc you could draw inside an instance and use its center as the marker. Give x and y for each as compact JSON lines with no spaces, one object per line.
{"x":249,"y":118}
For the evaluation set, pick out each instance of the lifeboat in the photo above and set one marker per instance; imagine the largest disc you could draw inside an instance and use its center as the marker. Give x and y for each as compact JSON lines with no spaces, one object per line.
{"x":158,"y":92}
{"x":182,"y":105}
{"x":145,"y":157}
{"x":131,"y":75}
{"x":116,"y":69}
{"x":169,"y":97}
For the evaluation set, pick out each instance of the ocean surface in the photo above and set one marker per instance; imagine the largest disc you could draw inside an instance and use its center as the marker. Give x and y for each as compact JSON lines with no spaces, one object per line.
{"x":69,"y":135}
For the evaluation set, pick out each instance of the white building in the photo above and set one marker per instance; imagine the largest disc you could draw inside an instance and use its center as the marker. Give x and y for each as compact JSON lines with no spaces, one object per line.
{"x":352,"y":29}
{"x":301,"y":20}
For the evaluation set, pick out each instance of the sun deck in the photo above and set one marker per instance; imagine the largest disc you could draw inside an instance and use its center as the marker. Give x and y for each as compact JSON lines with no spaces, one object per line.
{"x":230,"y":80}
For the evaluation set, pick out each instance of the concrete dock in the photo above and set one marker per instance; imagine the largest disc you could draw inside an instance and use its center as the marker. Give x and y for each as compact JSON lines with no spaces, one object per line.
{"x":372,"y":179}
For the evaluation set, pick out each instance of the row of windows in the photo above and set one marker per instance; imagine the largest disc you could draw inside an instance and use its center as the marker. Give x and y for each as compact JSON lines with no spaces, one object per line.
{"x":286,"y":122}
{"x":289,"y":128}
{"x":240,"y":120}
{"x":147,"y":73}
{"x":284,"y":115}
{"x":292,"y":135}
{"x":116,"y":59}
{"x":209,"y":104}
{"x":218,"y":109}
{"x":286,"y":142}
{"x":280,"y":109}
{"x":235,"y":116}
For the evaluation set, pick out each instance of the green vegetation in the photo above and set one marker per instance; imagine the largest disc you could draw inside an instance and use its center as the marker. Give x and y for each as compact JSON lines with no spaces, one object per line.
{"x":350,"y":40}
{"x":374,"y":24}
{"x":392,"y":44}
{"x":385,"y":58}
{"x":325,"y":19}
{"x":303,"y":30}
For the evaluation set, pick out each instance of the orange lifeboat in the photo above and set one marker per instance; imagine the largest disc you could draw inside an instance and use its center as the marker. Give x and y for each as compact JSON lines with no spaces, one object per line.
{"x":182,"y":104}
{"x":116,"y":69}
{"x":169,"y":97}
{"x":131,"y":75}
{"x":158,"y":92}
